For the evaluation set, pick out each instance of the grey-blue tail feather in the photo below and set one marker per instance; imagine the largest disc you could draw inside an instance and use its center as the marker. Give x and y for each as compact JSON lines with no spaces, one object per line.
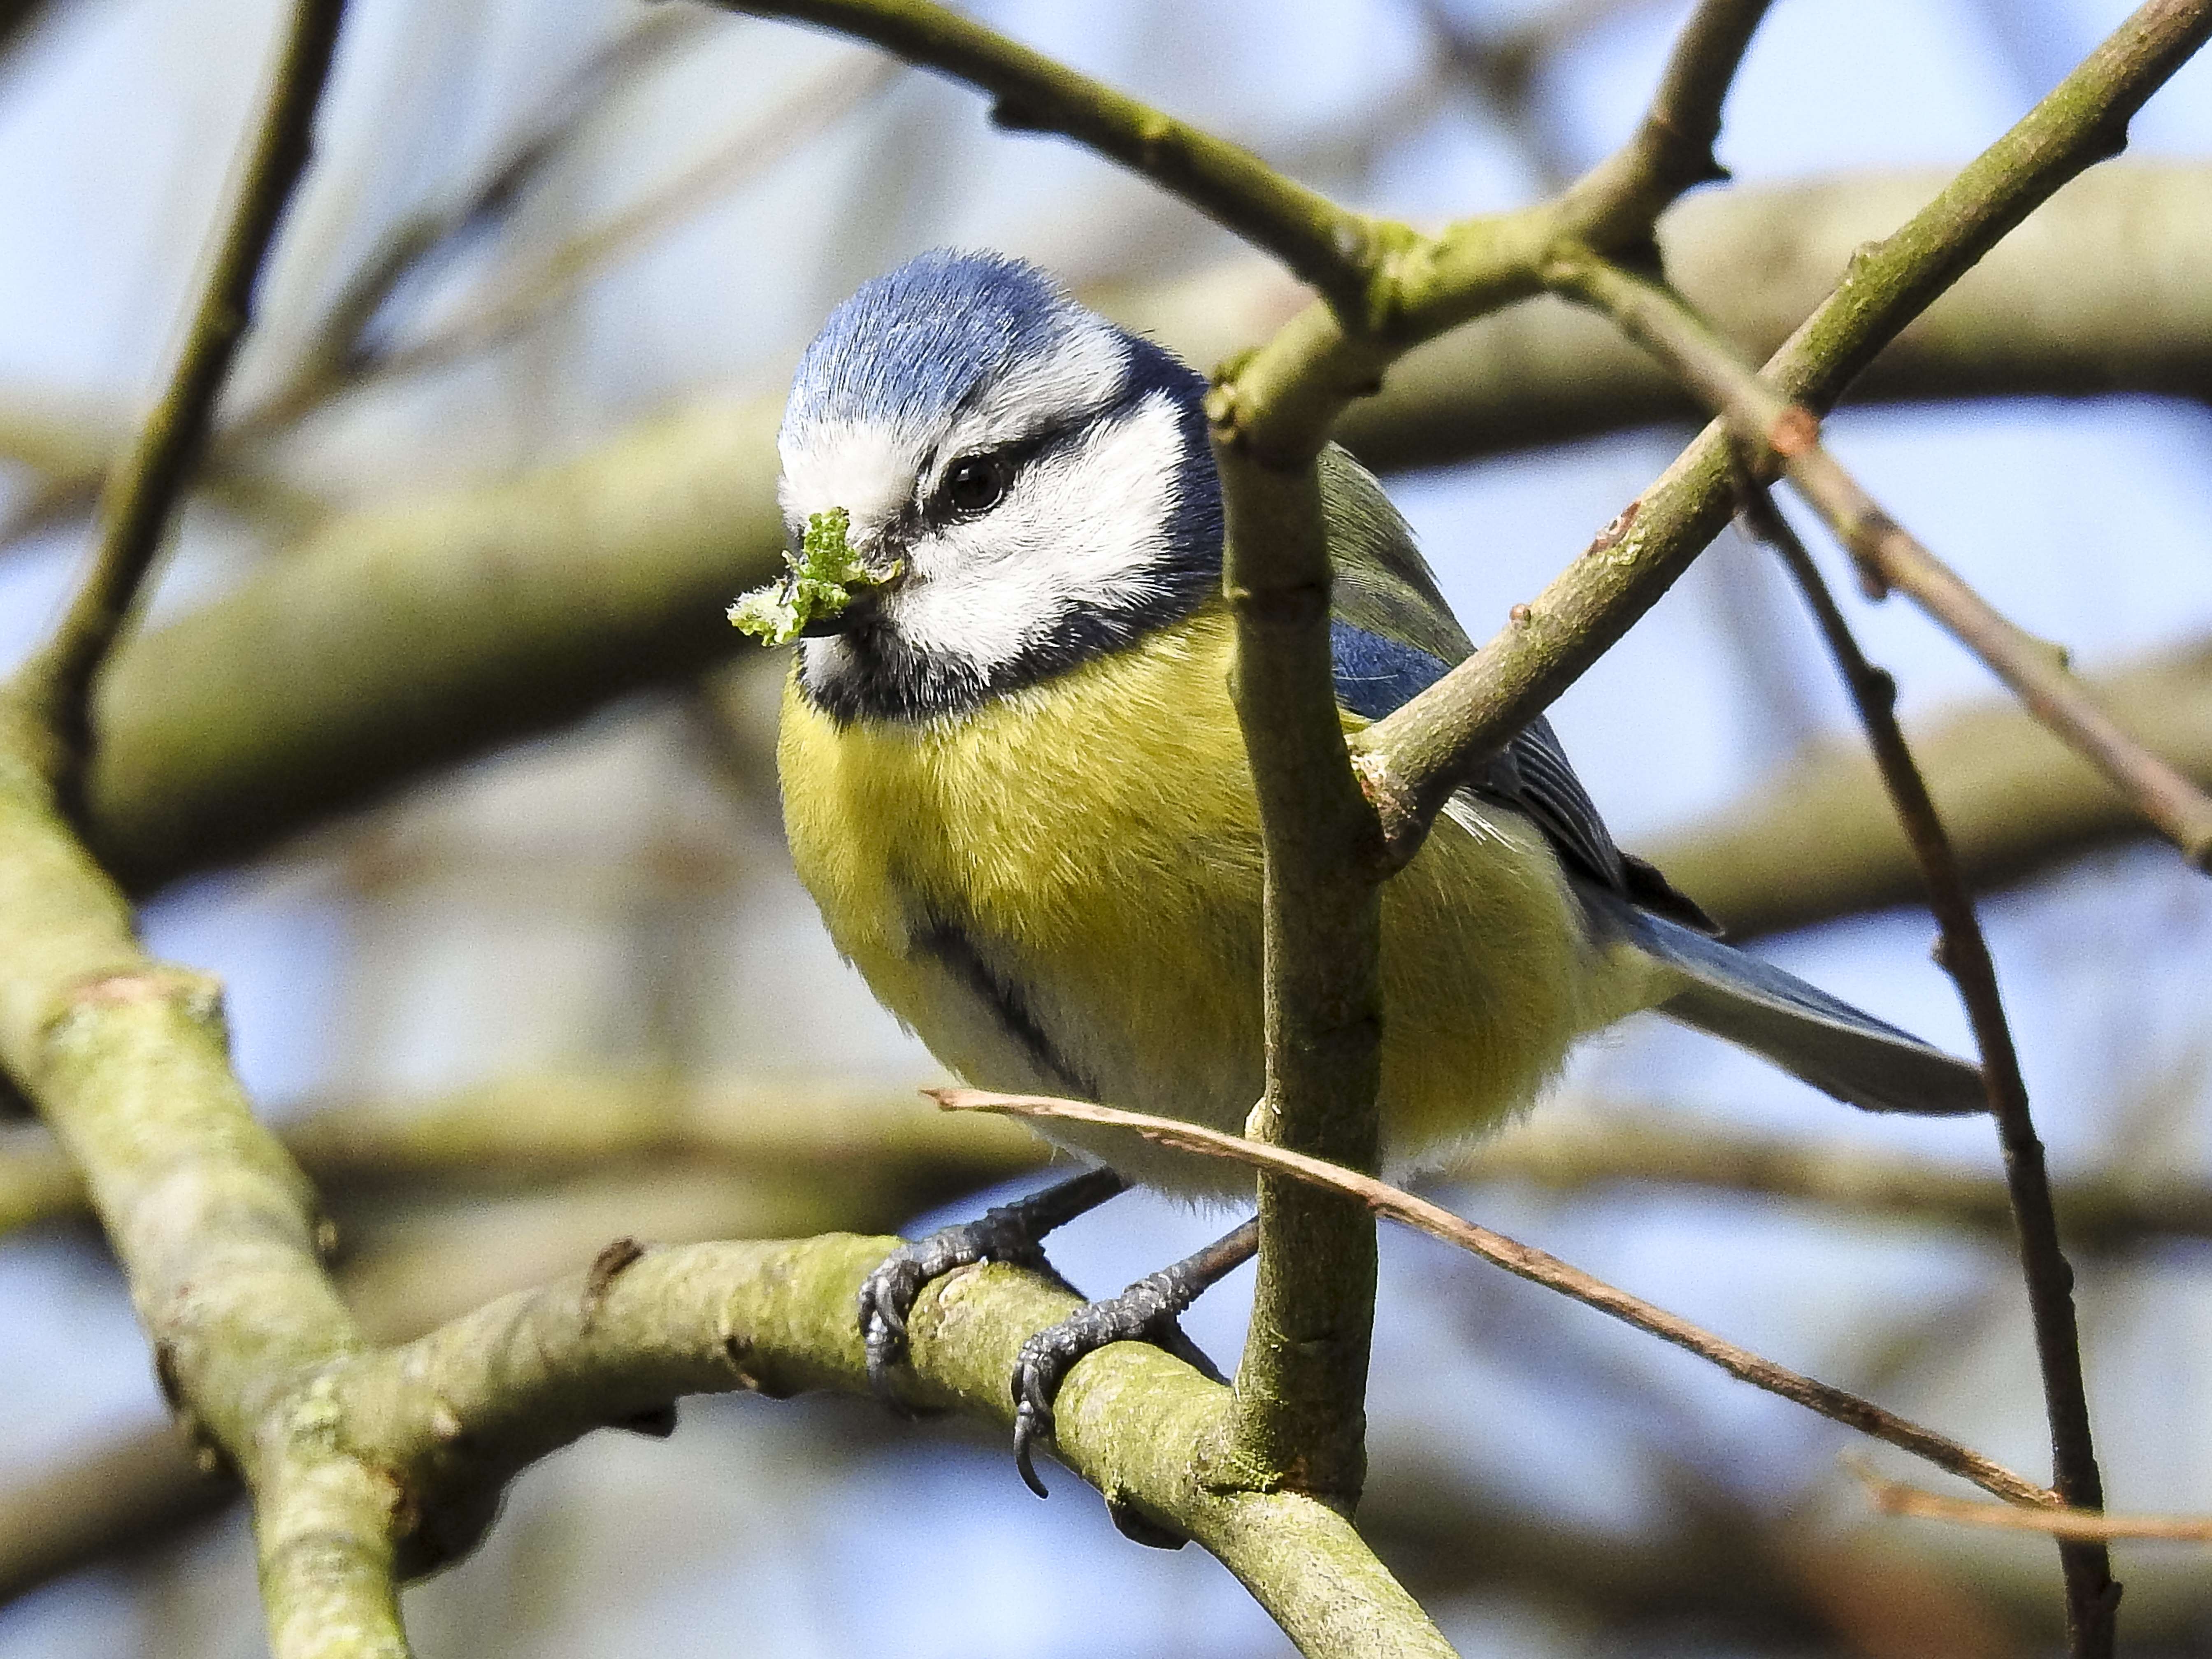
{"x":1808,"y":1033}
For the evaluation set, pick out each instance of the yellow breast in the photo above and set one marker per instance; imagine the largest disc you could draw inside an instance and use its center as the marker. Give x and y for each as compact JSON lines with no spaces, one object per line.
{"x":1060,"y":891}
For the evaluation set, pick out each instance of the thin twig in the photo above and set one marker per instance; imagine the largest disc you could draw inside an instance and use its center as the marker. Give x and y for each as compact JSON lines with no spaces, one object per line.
{"x":1414,"y":759}
{"x":340,"y":359}
{"x":1788,"y":433}
{"x":1899,"y":1497}
{"x":337,"y":357}
{"x":2036,"y":671}
{"x":2092,"y":1597}
{"x":1331,"y":247}
{"x":144,"y":487}
{"x":1539,"y":1267}
{"x":516,"y":300}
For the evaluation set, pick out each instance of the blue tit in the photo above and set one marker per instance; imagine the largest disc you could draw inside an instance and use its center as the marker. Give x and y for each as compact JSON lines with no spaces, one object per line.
{"x":1014,"y":782}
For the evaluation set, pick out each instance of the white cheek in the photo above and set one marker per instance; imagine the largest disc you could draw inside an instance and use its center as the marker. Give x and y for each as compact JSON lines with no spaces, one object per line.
{"x":1083,"y":529}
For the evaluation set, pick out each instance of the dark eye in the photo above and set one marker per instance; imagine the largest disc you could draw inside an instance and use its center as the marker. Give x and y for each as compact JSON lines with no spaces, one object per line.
{"x":976,"y":483}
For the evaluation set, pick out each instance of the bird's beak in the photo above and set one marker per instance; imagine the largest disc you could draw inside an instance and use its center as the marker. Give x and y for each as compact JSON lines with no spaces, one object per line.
{"x":866,"y":602}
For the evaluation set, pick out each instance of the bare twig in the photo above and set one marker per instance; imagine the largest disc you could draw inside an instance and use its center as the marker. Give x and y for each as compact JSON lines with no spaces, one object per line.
{"x":1412,"y":760}
{"x":1779,"y":431}
{"x":336,"y":356}
{"x":2035,"y":670}
{"x":1302,"y":1382}
{"x":1537,"y":1266}
{"x":1328,"y":246}
{"x":340,"y":359}
{"x":517,"y":300}
{"x":148,"y":481}
{"x":2079,"y":1525}
{"x":2092,"y":1597}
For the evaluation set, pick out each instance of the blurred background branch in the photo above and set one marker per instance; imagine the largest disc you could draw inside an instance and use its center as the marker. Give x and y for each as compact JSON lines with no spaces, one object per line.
{"x":612,"y":897}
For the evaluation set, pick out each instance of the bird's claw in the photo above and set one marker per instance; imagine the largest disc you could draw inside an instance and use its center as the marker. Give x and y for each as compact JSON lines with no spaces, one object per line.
{"x":1145,"y":1312}
{"x":889,"y":1292}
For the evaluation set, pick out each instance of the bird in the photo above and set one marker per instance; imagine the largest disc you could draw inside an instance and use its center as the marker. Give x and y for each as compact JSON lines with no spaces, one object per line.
{"x":1014,"y":783}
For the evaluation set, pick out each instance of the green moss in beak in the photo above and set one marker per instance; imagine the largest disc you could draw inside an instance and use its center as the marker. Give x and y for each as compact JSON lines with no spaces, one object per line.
{"x":816,"y":587}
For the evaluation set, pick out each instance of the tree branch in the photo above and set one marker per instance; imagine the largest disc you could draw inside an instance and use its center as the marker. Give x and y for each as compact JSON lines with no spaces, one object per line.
{"x":128,"y":1060}
{"x":522,"y":1130}
{"x":1413,"y":760}
{"x":1538,"y":1267}
{"x":2077,"y":1526}
{"x":150,"y":478}
{"x":873,"y":1167}
{"x":2013,"y":797}
{"x":1301,"y":1387}
{"x":1777,"y":433}
{"x":456,"y":1413}
{"x":404,"y":638}
{"x":1334,"y":249}
{"x":2092,"y":1597}
{"x":342,"y":361}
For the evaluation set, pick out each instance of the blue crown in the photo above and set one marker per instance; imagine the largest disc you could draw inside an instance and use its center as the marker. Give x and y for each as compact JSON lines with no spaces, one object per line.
{"x":910,"y":347}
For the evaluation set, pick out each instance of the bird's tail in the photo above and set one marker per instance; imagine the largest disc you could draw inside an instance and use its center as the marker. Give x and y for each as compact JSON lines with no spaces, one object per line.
{"x":1808,"y":1033}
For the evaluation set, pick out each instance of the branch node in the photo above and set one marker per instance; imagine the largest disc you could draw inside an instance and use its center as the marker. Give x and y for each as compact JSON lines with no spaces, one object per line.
{"x":607,"y":1266}
{"x":1795,"y":430}
{"x":748,"y":1375}
{"x":1139,"y":1528}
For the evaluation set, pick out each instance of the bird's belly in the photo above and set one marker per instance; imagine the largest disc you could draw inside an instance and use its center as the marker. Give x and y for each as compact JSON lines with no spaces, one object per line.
{"x":1061,"y":893}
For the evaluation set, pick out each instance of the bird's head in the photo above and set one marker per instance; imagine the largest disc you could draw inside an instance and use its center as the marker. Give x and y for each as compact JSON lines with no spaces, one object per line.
{"x":1041,"y":479}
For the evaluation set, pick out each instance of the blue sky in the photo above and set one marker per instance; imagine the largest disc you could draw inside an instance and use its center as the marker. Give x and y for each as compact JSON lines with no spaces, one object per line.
{"x":2084,"y":521}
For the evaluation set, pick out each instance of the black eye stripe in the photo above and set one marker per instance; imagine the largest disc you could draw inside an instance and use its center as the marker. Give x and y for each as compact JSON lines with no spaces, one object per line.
{"x":1012,"y":458}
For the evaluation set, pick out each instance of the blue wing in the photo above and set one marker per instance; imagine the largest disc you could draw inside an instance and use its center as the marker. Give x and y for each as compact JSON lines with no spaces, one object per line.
{"x":1376,"y":675}
{"x":1393,"y":637}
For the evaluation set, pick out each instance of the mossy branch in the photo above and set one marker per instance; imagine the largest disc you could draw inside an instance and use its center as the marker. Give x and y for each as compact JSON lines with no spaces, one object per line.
{"x":397,"y":640}
{"x":457,"y":1413}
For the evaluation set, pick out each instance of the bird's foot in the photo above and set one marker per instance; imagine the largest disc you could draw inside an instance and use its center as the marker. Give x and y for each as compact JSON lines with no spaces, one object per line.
{"x":1010,"y":1233}
{"x":1146,"y":1312}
